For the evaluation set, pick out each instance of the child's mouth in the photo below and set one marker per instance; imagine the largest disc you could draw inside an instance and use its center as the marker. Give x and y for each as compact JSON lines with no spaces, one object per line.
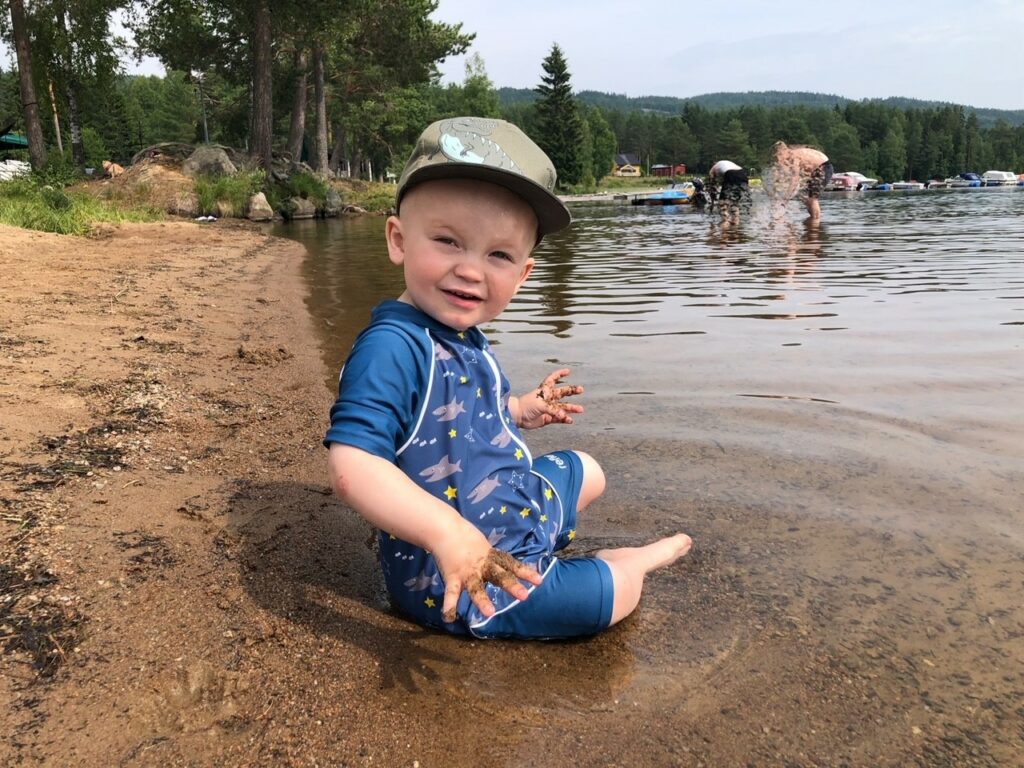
{"x":464,"y":297}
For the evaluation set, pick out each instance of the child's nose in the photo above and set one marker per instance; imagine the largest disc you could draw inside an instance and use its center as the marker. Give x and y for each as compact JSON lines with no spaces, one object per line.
{"x":470,"y":267}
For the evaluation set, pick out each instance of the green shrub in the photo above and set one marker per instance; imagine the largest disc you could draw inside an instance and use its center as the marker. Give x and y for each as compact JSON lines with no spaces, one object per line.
{"x":308,"y":186}
{"x":95,"y":150}
{"x":234,"y":191}
{"x":59,"y":171}
{"x":373,"y":196}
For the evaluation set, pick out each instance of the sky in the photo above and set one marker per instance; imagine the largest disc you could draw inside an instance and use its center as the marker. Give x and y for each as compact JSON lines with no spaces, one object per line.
{"x":965,"y":52}
{"x":960,"y":51}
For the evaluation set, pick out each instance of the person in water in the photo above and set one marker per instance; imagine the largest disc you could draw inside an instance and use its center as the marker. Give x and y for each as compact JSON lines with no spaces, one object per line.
{"x":731,"y":187}
{"x":425,"y":436}
{"x":796,"y":167}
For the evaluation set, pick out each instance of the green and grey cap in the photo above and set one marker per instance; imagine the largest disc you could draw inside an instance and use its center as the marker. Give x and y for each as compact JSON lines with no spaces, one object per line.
{"x":487,"y":150}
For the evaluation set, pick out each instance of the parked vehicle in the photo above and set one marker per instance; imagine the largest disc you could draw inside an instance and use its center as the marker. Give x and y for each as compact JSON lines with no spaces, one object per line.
{"x":999,"y":178}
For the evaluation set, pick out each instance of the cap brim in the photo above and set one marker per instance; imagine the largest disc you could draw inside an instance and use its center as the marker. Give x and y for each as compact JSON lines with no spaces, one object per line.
{"x":552,"y":215}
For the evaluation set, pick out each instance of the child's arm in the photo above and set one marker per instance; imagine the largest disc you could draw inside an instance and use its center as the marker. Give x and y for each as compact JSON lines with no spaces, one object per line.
{"x":544,"y":405}
{"x":387,"y":499}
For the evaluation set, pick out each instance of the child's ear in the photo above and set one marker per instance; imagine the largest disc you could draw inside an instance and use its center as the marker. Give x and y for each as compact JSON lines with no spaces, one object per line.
{"x":395,"y":239}
{"x":527,"y":269}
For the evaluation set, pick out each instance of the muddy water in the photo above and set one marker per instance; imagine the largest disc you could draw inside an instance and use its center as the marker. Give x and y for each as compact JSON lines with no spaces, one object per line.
{"x":834,"y":413}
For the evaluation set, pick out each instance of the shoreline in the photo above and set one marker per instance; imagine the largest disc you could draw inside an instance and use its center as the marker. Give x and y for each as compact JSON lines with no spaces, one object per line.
{"x":201,"y":599}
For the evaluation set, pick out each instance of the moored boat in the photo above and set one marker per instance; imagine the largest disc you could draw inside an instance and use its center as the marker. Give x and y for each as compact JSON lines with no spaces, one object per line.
{"x":965,"y":180}
{"x":999,"y":178}
{"x":673,"y":195}
{"x":907,"y":185}
{"x":849,"y":181}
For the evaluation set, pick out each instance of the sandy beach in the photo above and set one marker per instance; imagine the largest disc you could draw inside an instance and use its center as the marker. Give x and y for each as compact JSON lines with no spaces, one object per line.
{"x":179,"y":586}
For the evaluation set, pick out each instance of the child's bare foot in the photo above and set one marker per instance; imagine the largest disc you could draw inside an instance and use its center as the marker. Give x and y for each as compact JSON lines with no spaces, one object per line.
{"x":657,"y":554}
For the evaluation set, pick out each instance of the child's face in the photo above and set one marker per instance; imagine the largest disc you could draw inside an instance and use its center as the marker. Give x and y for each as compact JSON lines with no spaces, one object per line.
{"x":465,"y":247}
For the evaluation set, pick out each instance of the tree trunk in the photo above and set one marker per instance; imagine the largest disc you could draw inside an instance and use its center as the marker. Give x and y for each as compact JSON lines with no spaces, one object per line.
{"x":30,"y":107}
{"x":262,"y":98}
{"x":338,"y":154}
{"x":75,"y":124}
{"x":70,"y":92}
{"x":202,"y":107}
{"x":321,"y":108}
{"x":297,"y":129}
{"x":56,"y":118}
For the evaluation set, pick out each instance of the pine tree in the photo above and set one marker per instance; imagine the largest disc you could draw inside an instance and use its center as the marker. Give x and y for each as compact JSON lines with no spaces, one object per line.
{"x":559,"y":124}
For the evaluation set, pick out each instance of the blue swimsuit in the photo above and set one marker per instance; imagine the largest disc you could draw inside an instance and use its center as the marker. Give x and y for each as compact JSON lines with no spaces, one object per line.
{"x":434,"y":401}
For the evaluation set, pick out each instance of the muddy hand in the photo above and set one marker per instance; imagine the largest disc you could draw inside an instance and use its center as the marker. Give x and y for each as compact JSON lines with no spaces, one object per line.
{"x":551,"y":392}
{"x":500,"y":568}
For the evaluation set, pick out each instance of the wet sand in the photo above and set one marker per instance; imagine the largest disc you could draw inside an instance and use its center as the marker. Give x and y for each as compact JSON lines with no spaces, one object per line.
{"x":180,"y":588}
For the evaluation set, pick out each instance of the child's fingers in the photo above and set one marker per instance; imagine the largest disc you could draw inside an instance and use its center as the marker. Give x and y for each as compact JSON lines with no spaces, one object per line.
{"x":567,"y":391}
{"x":450,"y":604}
{"x":453,"y":590}
{"x":503,"y":569}
{"x":477,"y":593}
{"x":554,"y":376}
{"x":528,"y":573}
{"x":570,"y":407}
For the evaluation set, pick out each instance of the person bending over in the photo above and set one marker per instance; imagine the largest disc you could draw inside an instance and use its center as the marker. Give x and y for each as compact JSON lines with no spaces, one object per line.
{"x":798,"y":166}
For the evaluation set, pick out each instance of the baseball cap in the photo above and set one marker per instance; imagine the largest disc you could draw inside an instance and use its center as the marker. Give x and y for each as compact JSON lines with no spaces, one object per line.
{"x":487,"y":150}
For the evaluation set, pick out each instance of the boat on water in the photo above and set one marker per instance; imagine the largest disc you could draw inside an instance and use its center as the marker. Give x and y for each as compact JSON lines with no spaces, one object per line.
{"x":965,"y":180}
{"x":676,"y":194}
{"x":938,"y":184}
{"x":999,"y":179}
{"x":850,"y":181}
{"x":881,"y":187}
{"x":907,"y":185}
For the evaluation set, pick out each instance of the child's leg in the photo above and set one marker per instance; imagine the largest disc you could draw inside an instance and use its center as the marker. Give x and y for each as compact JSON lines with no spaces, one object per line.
{"x":593,"y":480}
{"x":629,"y":566}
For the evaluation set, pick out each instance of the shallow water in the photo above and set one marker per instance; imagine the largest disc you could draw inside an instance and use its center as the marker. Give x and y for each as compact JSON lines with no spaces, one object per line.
{"x":835,"y":413}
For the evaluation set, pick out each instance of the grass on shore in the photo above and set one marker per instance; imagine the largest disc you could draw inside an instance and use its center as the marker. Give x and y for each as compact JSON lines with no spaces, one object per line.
{"x":29,"y":204}
{"x":227,"y":195}
{"x":372,"y":196}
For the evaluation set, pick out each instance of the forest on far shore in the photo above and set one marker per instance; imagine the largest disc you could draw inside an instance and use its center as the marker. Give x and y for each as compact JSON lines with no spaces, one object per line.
{"x":345,"y":88}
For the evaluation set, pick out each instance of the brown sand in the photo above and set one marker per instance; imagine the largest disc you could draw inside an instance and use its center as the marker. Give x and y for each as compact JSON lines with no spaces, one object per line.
{"x":178,"y":587}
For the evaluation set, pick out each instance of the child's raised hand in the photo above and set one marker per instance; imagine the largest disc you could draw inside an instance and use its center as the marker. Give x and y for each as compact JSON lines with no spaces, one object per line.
{"x":544,"y":405}
{"x":467,"y":562}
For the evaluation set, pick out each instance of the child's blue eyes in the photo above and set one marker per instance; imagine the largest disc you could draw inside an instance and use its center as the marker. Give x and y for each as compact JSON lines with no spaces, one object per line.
{"x":447,"y":241}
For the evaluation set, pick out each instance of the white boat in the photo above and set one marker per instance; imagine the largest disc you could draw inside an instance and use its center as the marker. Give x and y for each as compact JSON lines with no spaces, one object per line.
{"x":965,"y":180}
{"x":905,"y":185}
{"x":999,"y":179}
{"x":939,"y":184}
{"x":849,"y":181}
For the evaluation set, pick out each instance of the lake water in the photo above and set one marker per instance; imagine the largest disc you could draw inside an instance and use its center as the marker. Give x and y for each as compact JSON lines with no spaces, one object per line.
{"x":835,"y":413}
{"x":899,"y":309}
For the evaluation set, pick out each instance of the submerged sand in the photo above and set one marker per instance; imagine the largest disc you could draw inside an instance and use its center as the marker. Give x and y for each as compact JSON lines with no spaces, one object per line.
{"x":179,"y":587}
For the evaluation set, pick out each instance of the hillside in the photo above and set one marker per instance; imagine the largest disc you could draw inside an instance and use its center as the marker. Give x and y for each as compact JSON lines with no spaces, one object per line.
{"x":673,"y":105}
